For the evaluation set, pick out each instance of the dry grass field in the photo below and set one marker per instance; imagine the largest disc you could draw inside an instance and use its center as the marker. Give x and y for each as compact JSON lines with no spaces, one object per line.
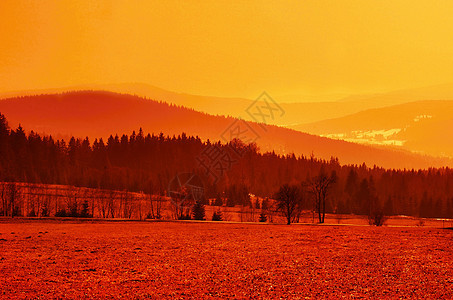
{"x":175,"y":260}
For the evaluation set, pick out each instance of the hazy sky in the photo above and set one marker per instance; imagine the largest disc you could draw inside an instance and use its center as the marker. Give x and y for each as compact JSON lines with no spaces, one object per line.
{"x":225,"y":49}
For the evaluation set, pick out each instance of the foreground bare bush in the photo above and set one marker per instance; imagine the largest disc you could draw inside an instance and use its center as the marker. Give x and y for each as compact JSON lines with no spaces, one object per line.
{"x":377,"y":218}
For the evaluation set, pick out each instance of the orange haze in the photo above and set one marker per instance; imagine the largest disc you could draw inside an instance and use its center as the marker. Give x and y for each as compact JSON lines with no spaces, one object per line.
{"x":227,"y":49}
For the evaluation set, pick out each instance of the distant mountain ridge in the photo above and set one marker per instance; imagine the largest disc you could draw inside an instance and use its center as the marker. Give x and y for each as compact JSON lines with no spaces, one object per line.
{"x":295,"y":113}
{"x":99,"y":114}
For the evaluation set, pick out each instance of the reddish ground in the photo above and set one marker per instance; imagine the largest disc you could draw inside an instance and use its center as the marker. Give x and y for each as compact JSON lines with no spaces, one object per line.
{"x":50,"y":259}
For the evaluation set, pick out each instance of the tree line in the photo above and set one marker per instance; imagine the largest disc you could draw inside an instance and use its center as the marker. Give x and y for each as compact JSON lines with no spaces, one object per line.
{"x":146,"y":163}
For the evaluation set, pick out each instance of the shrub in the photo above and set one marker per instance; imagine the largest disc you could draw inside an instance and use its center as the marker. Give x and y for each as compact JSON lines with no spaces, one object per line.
{"x":16,"y":212}
{"x":420,"y":223}
{"x":72,"y":211}
{"x":217,"y":216}
{"x":45,"y":211}
{"x":61,"y":213}
{"x":184,"y":217}
{"x":377,"y":218}
{"x":32,"y":213}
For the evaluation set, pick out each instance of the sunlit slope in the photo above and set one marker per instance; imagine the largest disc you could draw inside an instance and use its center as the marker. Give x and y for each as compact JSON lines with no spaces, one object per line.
{"x":424,"y":126}
{"x":99,"y":114}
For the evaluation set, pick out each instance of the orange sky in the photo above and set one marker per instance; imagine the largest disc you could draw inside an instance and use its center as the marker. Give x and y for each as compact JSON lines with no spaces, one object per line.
{"x":224,"y":49}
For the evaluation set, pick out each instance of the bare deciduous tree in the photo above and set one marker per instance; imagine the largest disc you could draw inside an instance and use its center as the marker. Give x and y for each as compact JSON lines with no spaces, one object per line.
{"x":319,"y":186}
{"x":11,"y":199}
{"x":4,"y":207}
{"x":289,"y":201}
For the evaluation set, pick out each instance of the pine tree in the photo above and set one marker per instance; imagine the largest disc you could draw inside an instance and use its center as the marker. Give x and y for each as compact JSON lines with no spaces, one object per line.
{"x":388,"y":207}
{"x":265,"y":204}
{"x":198,"y":211}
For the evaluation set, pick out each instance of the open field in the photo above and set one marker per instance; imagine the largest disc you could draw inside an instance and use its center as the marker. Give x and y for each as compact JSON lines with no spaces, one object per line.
{"x":235,"y":214}
{"x":52,"y":259}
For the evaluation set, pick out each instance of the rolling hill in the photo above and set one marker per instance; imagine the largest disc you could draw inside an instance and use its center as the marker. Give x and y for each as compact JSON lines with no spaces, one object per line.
{"x":422,"y":126}
{"x":99,"y":114}
{"x":299,"y":111}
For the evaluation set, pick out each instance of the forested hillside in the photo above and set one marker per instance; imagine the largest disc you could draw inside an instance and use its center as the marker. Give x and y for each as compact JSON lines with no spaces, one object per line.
{"x":98,"y":114}
{"x":145,"y":162}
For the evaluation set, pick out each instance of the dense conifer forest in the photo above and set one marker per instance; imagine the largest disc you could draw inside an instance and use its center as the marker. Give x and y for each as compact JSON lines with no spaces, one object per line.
{"x":143,"y":162}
